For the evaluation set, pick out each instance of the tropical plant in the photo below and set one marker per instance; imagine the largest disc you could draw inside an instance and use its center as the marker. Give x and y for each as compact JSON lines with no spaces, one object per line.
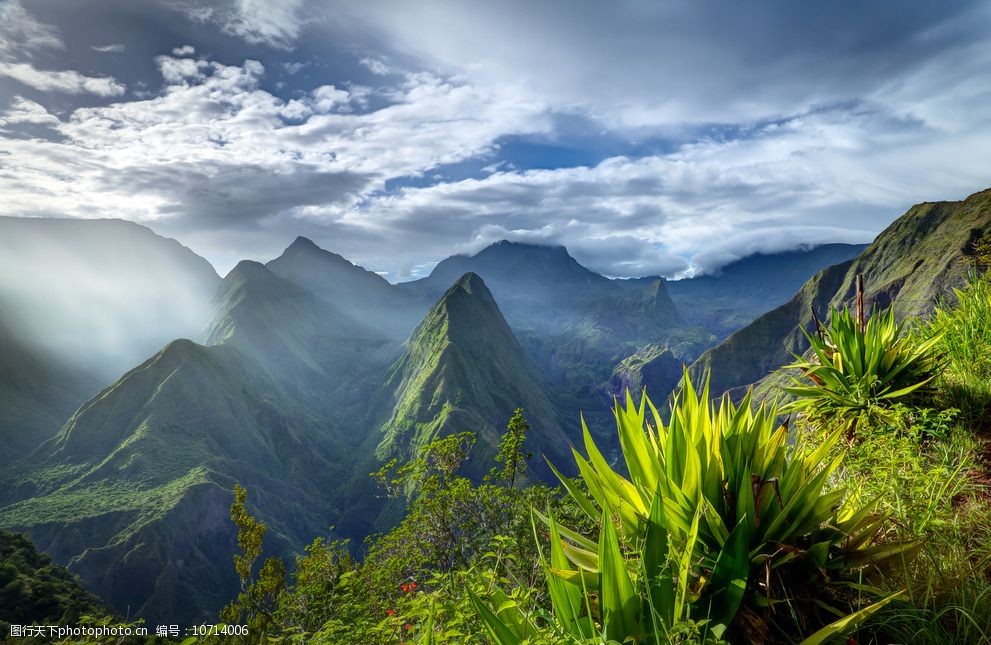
{"x":721,"y":530}
{"x":856,"y":372}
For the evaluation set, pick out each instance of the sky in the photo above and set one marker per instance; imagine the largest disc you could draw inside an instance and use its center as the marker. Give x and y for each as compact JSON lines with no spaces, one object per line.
{"x":648,"y":137}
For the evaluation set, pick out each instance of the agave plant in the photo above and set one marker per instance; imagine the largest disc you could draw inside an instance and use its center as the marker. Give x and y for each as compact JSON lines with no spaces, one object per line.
{"x":860,"y":370}
{"x":719,"y":524}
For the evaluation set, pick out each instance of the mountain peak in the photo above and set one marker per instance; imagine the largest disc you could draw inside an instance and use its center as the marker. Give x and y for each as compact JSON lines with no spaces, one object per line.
{"x":303,"y":243}
{"x":471,"y":282}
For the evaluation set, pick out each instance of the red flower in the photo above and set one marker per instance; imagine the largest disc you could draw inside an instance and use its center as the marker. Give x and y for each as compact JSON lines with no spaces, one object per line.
{"x":390,"y":612}
{"x":408,"y":627}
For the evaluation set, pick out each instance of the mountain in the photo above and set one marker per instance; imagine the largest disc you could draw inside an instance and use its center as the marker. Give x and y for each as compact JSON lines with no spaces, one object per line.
{"x":463,"y":369}
{"x":99,"y":295}
{"x":134,"y":491}
{"x":364,"y":295}
{"x":653,"y":367}
{"x":743,"y":290}
{"x":543,"y":288}
{"x":911,"y":264}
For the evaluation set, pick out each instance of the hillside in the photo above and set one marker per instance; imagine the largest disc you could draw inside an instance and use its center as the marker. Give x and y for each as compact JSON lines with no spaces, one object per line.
{"x":464,"y":369}
{"x":133,"y":492}
{"x":912,"y":263}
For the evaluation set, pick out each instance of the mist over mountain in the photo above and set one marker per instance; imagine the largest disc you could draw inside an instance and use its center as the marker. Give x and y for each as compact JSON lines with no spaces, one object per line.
{"x":101,"y":295}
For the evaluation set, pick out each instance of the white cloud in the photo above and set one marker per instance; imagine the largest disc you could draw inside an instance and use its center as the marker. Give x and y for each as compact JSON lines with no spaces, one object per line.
{"x":294,"y":67}
{"x":376,"y":66}
{"x":22,"y":110}
{"x":70,"y":82}
{"x":214,"y":150}
{"x":113,"y":48}
{"x":185,"y":50}
{"x":275,"y":24}
{"x":21,"y":34}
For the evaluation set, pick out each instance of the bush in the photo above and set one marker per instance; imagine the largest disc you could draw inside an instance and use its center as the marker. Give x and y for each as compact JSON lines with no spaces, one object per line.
{"x":856,"y":374}
{"x":721,"y":530}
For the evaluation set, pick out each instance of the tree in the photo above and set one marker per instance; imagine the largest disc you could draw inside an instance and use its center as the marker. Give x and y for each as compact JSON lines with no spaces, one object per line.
{"x":512,"y":452}
{"x":259,"y":597}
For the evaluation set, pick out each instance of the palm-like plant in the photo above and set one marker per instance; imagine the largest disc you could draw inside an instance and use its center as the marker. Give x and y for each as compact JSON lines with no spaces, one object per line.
{"x":719,"y":521}
{"x":859,"y":370}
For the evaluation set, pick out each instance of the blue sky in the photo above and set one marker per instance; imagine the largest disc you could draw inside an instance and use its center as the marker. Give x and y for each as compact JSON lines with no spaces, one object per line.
{"x":648,"y":138}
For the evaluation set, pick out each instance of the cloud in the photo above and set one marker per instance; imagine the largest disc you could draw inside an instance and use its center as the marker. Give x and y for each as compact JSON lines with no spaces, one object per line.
{"x":25,"y":111}
{"x":294,"y":67}
{"x":185,"y":50}
{"x":114,"y":48}
{"x":637,"y":64}
{"x":70,"y":82}
{"x":376,"y":66}
{"x":21,"y":34}
{"x":259,"y":22}
{"x":213,"y":151}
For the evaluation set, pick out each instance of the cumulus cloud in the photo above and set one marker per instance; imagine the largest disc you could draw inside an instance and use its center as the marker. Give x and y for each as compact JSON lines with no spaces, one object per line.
{"x":25,"y":111}
{"x":214,"y":151}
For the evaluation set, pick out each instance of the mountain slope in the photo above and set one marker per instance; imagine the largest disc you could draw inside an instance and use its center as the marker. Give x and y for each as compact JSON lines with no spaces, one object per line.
{"x":911,"y":264}
{"x":464,"y":370}
{"x":751,"y":286}
{"x":134,"y":491}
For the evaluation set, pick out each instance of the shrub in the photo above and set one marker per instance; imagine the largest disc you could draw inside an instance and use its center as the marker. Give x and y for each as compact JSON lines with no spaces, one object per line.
{"x":720,"y":530}
{"x":856,"y":374}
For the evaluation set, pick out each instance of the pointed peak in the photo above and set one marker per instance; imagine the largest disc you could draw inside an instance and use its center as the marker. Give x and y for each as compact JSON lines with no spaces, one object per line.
{"x":471,"y":282}
{"x":303,"y":243}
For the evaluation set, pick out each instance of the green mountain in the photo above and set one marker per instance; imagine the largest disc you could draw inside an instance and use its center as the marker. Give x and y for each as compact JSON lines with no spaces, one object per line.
{"x":743,"y":290}
{"x":911,"y":264}
{"x":133,"y":493}
{"x":464,"y":370}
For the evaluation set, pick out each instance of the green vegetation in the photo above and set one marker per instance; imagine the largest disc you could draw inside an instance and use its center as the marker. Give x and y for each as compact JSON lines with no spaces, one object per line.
{"x":858,"y":370}
{"x":36,"y":591}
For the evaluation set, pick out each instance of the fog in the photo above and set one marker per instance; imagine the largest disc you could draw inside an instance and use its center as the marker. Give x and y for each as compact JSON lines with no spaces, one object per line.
{"x":101,"y":295}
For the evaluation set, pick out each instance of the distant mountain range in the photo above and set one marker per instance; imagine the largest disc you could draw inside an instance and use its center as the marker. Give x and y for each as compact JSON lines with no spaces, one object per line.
{"x":298,"y":377}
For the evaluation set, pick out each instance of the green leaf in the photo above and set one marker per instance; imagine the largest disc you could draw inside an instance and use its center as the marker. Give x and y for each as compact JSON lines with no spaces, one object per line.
{"x":618,"y":599}
{"x":847,"y":623}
